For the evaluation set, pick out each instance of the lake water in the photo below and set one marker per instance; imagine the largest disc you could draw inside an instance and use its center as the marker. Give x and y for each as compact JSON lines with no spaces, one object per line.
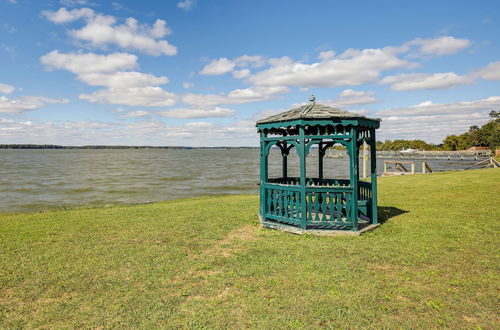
{"x":32,"y":180}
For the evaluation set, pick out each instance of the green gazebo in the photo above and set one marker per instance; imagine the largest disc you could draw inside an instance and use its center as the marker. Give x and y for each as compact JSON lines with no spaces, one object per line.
{"x":319,"y":205}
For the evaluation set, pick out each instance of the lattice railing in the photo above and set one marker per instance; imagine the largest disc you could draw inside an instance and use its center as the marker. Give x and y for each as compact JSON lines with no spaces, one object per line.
{"x":283,"y":204}
{"x":365,"y":190}
{"x":324,"y":206}
{"x":311,"y":182}
{"x":328,"y":208}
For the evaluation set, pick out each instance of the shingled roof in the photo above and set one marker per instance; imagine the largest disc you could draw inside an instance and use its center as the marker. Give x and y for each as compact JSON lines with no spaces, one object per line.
{"x":312,"y":110}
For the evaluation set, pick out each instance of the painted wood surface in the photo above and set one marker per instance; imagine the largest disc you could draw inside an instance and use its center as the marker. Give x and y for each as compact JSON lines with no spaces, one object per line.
{"x":318,"y":203}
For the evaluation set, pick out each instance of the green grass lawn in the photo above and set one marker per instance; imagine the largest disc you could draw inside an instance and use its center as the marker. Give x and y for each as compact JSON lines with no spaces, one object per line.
{"x":206,"y":263}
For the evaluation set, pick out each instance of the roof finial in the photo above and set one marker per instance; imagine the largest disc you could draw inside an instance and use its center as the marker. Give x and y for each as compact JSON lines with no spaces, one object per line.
{"x":312,"y":98}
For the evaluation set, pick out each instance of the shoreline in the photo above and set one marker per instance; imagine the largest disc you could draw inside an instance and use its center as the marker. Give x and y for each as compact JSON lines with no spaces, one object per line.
{"x":203,"y":196}
{"x":105,"y":147}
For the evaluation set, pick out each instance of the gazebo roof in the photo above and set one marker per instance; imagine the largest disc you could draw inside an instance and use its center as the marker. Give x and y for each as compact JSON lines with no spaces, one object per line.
{"x":312,"y":110}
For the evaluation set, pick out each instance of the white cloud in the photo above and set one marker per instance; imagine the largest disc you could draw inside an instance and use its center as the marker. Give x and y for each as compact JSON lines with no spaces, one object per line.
{"x":279,"y":61}
{"x":186,"y":5}
{"x":145,"y":127}
{"x":240,"y":74}
{"x":122,"y":79}
{"x":68,"y":133}
{"x":6,"y":89}
{"x":87,"y":124}
{"x":116,"y":110}
{"x":197,"y":113}
{"x":218,"y":67}
{"x":147,"y":131}
{"x":189,"y":134}
{"x":430,"y":108}
{"x":445,"y":45}
{"x":326,"y":55}
{"x":256,"y":93}
{"x":213,"y":134}
{"x":224,"y":65}
{"x":9,"y":28}
{"x":430,"y":128}
{"x":124,"y":87}
{"x":199,"y":124}
{"x":64,"y":16}
{"x":362,"y":112}
{"x":75,"y":3}
{"x":187,"y":84}
{"x":489,"y":72}
{"x":119,"y":6}
{"x":237,"y":96}
{"x":103,"y":30}
{"x":205,"y":100}
{"x":349,"y":98}
{"x":353,"y":67}
{"x":415,"y":81}
{"x":268,"y":113}
{"x":431,"y":122}
{"x":80,"y":63}
{"x":11,"y":50}
{"x":25,"y":103}
{"x":135,"y":114}
{"x":350,"y":68}
{"x":250,"y":60}
{"x":148,"y":96}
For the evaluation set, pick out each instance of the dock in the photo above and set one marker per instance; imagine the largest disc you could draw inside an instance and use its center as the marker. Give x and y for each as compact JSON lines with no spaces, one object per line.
{"x":397,"y":167}
{"x":436,"y":154}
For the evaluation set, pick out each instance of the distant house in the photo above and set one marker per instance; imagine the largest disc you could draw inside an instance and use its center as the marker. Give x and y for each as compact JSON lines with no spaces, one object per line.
{"x":477,"y":148}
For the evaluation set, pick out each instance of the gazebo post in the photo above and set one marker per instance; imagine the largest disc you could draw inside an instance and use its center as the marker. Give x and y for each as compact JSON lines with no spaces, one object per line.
{"x":353,"y":147}
{"x":303,"y":201}
{"x":263,"y":173}
{"x":320,"y":160}
{"x":373,"y":167}
{"x":284,"y":154}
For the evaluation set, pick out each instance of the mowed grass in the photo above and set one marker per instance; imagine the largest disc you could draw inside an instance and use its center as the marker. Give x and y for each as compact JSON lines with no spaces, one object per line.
{"x":205,"y":263}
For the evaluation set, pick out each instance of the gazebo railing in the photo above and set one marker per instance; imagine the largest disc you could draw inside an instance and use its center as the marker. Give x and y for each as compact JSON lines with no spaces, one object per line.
{"x":287,"y":181}
{"x":365,"y":187}
{"x":328,"y":202}
{"x":328,"y":207}
{"x":283,"y":203}
{"x":324,"y":206}
{"x":365,"y":190}
{"x":311,"y":181}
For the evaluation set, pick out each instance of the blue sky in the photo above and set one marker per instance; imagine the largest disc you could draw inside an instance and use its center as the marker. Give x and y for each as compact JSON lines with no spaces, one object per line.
{"x":186,"y":72}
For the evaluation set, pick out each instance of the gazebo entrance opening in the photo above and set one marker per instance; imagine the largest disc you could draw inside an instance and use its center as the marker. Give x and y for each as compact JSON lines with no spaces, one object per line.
{"x":317,"y":203}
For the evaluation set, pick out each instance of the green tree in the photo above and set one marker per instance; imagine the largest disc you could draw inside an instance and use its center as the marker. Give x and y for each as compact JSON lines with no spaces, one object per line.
{"x":464,"y":141}
{"x":487,"y":135}
{"x":451,"y":142}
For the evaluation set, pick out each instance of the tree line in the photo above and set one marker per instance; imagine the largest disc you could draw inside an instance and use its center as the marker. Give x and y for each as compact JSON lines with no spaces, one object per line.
{"x":55,"y":146}
{"x":487,"y":136}
{"x":399,"y":144}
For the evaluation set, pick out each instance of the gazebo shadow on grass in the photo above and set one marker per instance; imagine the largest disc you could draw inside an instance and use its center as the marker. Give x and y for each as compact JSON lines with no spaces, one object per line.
{"x":387,"y":212}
